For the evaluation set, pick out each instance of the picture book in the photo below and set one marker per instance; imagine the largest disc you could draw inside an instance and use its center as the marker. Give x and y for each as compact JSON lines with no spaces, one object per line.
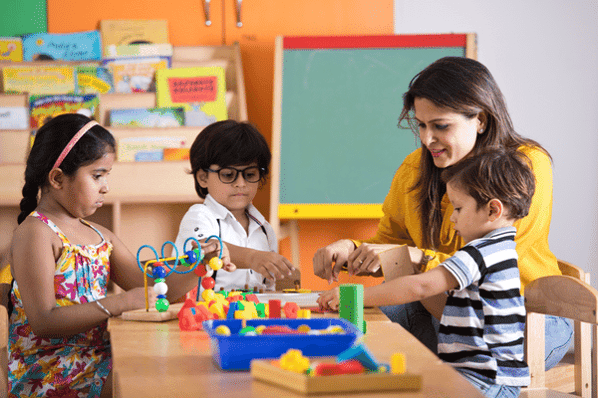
{"x":139,"y":50}
{"x":133,"y":31}
{"x":200,"y":90}
{"x":81,"y":46}
{"x":136,"y":74}
{"x":43,"y":108}
{"x":93,"y":79}
{"x":38,"y":79}
{"x":147,"y":117}
{"x":146,"y":149}
{"x":11,"y":49}
{"x":176,"y":154}
{"x":14,"y":118}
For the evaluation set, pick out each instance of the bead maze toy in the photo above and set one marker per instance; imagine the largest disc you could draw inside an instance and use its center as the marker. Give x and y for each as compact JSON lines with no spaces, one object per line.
{"x":164,"y":266}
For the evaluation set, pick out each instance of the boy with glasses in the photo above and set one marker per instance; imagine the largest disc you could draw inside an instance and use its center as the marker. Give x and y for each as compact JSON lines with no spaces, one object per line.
{"x":229,"y":162}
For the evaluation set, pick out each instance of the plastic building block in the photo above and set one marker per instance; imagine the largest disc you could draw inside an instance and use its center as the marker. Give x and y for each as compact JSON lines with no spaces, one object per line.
{"x":351,"y":304}
{"x":360,"y":353}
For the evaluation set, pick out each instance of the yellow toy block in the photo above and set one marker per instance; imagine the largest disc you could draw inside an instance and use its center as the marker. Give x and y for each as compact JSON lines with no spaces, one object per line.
{"x":304,"y":313}
{"x":208,"y":295}
{"x":217,"y":309}
{"x":397,"y":363}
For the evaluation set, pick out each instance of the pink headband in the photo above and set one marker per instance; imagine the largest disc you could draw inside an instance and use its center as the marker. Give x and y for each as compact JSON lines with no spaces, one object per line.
{"x":72,"y":142}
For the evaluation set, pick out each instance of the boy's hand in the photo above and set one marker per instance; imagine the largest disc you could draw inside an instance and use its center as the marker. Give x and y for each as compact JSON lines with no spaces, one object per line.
{"x":271,"y":265}
{"x":211,"y":249}
{"x":329,"y":300}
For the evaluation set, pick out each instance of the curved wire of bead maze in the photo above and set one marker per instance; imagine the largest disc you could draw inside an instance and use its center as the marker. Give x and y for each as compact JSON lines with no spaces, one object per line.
{"x":191,"y":259}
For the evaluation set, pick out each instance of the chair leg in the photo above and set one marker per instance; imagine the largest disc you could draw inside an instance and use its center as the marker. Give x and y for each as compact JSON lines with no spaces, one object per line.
{"x":594,"y":386}
{"x":583,"y":352}
{"x":534,"y":349}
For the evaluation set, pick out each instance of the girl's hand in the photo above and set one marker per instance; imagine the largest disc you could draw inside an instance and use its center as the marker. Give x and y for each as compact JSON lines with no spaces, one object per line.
{"x":134,"y":299}
{"x":329,"y":300}
{"x":337,"y":253}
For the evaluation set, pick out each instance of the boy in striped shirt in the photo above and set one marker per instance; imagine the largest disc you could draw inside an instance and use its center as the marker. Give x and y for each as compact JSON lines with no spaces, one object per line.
{"x":476,"y":292}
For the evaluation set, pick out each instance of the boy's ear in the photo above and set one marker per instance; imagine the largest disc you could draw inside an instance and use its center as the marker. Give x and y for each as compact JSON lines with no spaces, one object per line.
{"x":202,"y":178}
{"x":495,"y":209}
{"x":56,"y":178}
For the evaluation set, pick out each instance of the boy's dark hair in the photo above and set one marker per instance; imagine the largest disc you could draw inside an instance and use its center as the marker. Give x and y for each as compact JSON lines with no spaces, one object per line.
{"x":229,"y":143}
{"x":49,"y":142}
{"x":498,"y":173}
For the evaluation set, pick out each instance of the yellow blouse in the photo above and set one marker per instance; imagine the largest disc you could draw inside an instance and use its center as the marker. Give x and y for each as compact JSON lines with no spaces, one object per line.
{"x":400,"y":223}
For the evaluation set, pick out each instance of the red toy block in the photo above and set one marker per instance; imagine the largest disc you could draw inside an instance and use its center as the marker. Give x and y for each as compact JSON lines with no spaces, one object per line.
{"x":188,"y":304}
{"x":202,"y":314}
{"x":252,"y":298}
{"x":274,"y":309}
{"x":352,"y":366}
{"x":187,"y":320}
{"x":290,"y":310}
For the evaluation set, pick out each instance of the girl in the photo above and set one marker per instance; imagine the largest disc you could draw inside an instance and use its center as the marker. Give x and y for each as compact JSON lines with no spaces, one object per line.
{"x":61,"y":264}
{"x":457,"y":110}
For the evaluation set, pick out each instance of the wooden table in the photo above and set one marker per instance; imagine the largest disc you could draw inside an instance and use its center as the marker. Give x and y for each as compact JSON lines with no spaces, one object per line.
{"x":158,"y":360}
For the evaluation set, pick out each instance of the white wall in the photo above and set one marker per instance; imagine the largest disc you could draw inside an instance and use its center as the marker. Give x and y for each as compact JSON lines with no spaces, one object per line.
{"x":544,"y":56}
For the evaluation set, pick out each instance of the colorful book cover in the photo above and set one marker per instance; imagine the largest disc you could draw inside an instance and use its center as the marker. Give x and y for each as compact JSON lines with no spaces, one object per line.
{"x":147,"y":117}
{"x":200,"y":90}
{"x":146,"y":149}
{"x":14,"y":118}
{"x":139,"y":50}
{"x":11,"y":49}
{"x":135,"y":75}
{"x":38,"y":79}
{"x":81,"y":46}
{"x":175,"y":154}
{"x":43,"y":108}
{"x":133,"y":31}
{"x":93,"y":79}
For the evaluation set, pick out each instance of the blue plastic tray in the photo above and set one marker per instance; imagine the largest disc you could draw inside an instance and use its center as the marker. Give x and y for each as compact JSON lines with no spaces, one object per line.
{"x":235,"y":352}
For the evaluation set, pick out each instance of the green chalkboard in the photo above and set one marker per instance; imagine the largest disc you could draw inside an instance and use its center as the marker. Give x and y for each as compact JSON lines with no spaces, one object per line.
{"x":340,"y":103}
{"x":19,"y":17}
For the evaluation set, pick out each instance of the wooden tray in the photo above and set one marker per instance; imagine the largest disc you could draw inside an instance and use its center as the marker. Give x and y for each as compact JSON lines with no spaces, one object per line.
{"x":265,"y":371}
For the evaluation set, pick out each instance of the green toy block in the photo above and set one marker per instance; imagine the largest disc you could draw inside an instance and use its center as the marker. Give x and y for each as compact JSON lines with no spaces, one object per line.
{"x":351,"y":304}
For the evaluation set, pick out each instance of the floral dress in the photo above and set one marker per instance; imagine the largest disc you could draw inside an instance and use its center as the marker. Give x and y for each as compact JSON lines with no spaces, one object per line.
{"x":74,"y":366}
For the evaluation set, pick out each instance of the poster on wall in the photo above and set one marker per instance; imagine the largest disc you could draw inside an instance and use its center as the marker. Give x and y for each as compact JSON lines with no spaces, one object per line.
{"x":21,"y":17}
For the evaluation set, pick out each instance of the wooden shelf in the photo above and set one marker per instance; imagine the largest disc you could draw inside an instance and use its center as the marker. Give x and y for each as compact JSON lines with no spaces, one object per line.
{"x":147,"y":199}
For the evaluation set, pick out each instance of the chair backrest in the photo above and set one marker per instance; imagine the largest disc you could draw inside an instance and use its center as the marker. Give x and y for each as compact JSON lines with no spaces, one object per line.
{"x":569,"y":296}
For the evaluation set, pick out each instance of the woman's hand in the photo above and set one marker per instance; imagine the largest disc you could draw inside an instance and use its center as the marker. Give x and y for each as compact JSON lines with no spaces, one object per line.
{"x":365,"y":259}
{"x":337,"y":253}
{"x":329,"y":300}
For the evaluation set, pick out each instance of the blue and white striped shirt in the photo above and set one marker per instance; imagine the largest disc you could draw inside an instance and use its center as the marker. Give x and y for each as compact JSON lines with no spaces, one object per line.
{"x":482,"y":326}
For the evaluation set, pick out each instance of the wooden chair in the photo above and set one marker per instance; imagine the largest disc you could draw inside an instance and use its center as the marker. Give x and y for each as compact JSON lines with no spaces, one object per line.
{"x":569,"y":296}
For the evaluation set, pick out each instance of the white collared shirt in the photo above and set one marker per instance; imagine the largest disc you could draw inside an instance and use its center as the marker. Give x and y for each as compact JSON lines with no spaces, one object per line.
{"x":211,"y":218}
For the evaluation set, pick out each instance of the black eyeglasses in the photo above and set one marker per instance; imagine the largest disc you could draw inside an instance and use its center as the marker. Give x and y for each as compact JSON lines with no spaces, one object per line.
{"x":228,"y":175}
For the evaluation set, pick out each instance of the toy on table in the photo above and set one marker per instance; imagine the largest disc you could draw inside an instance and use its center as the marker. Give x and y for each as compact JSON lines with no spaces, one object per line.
{"x":354,"y":369}
{"x":191,"y":259}
{"x":234,"y":305}
{"x":351,"y":304}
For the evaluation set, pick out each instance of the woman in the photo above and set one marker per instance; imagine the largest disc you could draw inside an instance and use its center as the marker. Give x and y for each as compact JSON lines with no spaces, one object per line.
{"x":456,"y":109}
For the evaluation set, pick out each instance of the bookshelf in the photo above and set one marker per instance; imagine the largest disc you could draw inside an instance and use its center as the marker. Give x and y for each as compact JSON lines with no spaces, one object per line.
{"x":147,"y":200}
